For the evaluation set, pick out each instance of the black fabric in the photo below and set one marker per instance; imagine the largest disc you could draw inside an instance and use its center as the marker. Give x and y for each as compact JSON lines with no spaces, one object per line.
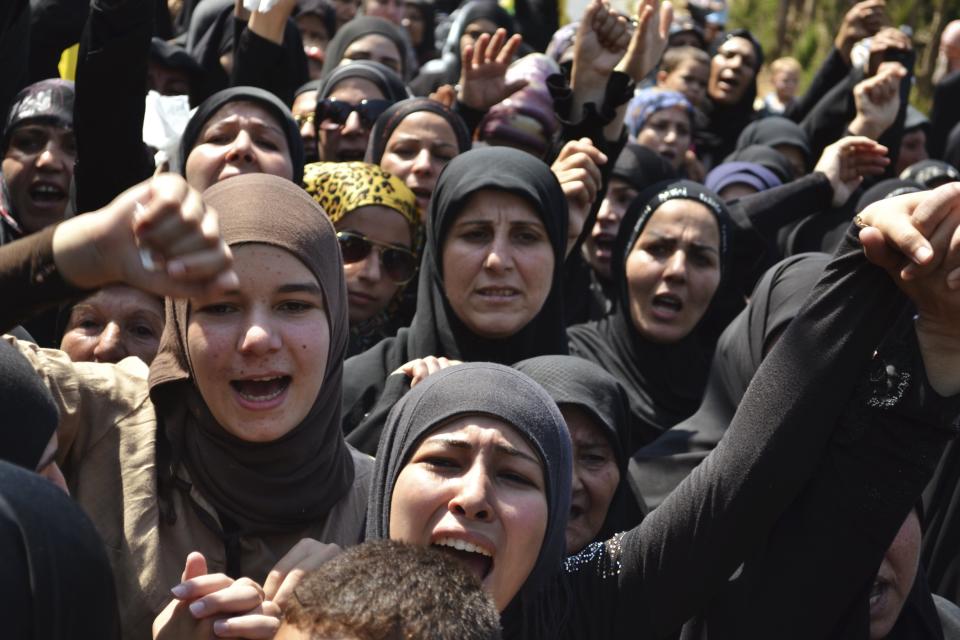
{"x":943,"y":114}
{"x":427,"y":49}
{"x":665,"y":382}
{"x":657,"y":469}
{"x":718,"y":137}
{"x":369,"y":387}
{"x":648,"y":581}
{"x":389,"y":83}
{"x":390,"y":119}
{"x":261,"y":98}
{"x":212,"y":28}
{"x":172,"y":56}
{"x":888,"y":188}
{"x":931,"y":173}
{"x":357,"y":28}
{"x":642,"y":167}
{"x":277,"y":68}
{"x":833,"y":70}
{"x":941,"y":539}
{"x":14,"y":49}
{"x":30,"y":415}
{"x":765,"y":157}
{"x":470,"y":389}
{"x":111,"y":85}
{"x":446,"y":68}
{"x":951,"y":152}
{"x":773,"y":131}
{"x":56,"y":581}
{"x":574,"y":381}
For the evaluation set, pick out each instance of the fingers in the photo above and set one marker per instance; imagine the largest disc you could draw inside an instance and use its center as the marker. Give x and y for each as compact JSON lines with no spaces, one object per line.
{"x":877,"y":251}
{"x":307,"y":554}
{"x":200,"y":586}
{"x":239,"y":597}
{"x":253,"y":626}
{"x":509,"y":50}
{"x":425,"y":367}
{"x":195,"y":566}
{"x":891,"y":217}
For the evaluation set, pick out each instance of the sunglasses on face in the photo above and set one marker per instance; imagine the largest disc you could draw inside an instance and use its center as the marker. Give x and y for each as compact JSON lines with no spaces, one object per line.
{"x":398,"y":263}
{"x":332,"y":114}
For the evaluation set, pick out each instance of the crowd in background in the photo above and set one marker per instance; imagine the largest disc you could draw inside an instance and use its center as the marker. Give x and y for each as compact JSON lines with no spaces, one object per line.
{"x":376,"y":319}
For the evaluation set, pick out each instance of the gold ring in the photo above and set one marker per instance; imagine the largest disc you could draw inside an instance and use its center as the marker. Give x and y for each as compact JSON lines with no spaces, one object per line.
{"x":858,"y":220}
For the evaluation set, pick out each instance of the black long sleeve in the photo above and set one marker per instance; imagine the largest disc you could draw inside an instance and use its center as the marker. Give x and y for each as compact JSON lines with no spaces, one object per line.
{"x":14,"y":49}
{"x":831,"y":72}
{"x":944,"y":114}
{"x":679,"y":556}
{"x":277,"y":68}
{"x":109,"y":109}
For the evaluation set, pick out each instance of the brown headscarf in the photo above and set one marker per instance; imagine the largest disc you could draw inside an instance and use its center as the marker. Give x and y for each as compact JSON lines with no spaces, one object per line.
{"x":291,"y":482}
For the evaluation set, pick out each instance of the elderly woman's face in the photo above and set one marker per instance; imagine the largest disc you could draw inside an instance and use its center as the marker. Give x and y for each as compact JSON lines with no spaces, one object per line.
{"x":259,"y":352}
{"x":418,"y":149}
{"x":475,"y":488}
{"x":241,"y":137}
{"x":595,"y":478}
{"x":673,"y":270}
{"x":668,"y":132}
{"x":369,"y":287}
{"x":497,"y":264}
{"x":113,"y":323}
{"x":732,"y":69}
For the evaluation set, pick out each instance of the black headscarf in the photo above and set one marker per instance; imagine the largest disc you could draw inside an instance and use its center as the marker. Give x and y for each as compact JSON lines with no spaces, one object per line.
{"x":889,"y":188}
{"x":261,"y":98}
{"x":766,"y":157}
{"x":427,"y":50}
{"x":931,"y":173}
{"x":642,"y":167}
{"x":30,"y":414}
{"x":386,"y":79}
{"x":776,"y":130}
{"x":659,"y":467}
{"x":493,"y":390}
{"x":436,"y":330}
{"x":357,"y":28}
{"x":390,"y":119}
{"x":292,"y":481}
{"x":725,"y":122}
{"x":575,"y":381}
{"x":56,"y":582}
{"x":665,"y":382}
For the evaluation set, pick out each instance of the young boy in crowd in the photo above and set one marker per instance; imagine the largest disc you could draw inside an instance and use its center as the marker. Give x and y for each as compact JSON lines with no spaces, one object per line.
{"x":686,"y":70}
{"x":785,"y":78}
{"x":387,"y":590}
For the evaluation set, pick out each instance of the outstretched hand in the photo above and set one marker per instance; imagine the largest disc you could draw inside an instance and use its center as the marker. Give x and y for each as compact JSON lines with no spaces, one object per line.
{"x":848,"y":161}
{"x":157,"y":236}
{"x":483,"y":70}
{"x":649,"y":39}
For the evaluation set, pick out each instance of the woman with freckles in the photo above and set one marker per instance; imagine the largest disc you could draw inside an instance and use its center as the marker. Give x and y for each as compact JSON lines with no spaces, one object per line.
{"x":476,"y":459}
{"x":212,"y":475}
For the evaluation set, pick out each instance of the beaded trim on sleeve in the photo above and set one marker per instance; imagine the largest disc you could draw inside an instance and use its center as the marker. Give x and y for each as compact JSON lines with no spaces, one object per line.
{"x":602,"y":557}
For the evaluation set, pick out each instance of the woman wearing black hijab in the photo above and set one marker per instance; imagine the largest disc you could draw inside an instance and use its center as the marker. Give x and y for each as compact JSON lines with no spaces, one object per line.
{"x":473,"y":18}
{"x":463,"y":452}
{"x":489,"y":289}
{"x":659,"y":339}
{"x":361,"y":27}
{"x":56,"y":582}
{"x":659,"y":467}
{"x":782,"y":135}
{"x":400,"y":138}
{"x":768,"y":158}
{"x":637,"y":168}
{"x":240,"y":130}
{"x":349,"y":101}
{"x":597,"y":413}
{"x":731,"y":90}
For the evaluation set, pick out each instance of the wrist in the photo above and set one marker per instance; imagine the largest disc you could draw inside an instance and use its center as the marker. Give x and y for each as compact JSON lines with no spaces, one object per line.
{"x":863,"y":126}
{"x":76,"y":253}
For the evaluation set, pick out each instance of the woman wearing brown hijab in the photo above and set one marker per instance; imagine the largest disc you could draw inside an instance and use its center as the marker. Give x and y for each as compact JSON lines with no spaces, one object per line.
{"x":230,"y":443}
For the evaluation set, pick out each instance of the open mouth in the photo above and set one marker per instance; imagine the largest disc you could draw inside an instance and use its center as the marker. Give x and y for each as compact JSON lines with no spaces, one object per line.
{"x":667,"y":304}
{"x":477,"y":560}
{"x":258,"y":392}
{"x":350,"y":155}
{"x":496,"y":294}
{"x":604,"y":245}
{"x":421,"y":192}
{"x":46,"y":193}
{"x":729,"y":83}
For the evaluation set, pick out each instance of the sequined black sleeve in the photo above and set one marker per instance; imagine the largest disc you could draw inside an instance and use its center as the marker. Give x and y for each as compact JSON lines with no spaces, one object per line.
{"x":651,"y":579}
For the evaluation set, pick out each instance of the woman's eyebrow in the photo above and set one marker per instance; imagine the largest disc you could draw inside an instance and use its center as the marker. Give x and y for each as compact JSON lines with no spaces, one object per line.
{"x":506,"y":449}
{"x":296,"y":287}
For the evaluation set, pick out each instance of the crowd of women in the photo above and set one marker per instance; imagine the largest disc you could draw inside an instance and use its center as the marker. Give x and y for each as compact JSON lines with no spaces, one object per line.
{"x":640,"y":352}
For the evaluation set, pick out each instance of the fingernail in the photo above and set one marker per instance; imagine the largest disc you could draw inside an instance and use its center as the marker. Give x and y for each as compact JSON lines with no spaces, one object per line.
{"x":221,"y":626}
{"x":176,"y":268}
{"x":179,"y":591}
{"x":923,"y":254}
{"x":197,"y":608}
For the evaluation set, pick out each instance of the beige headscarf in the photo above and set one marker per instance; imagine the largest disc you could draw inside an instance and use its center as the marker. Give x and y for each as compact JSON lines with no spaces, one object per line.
{"x":293,"y":481}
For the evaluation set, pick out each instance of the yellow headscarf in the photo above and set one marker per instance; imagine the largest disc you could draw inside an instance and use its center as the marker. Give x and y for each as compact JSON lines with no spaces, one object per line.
{"x":341,"y":187}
